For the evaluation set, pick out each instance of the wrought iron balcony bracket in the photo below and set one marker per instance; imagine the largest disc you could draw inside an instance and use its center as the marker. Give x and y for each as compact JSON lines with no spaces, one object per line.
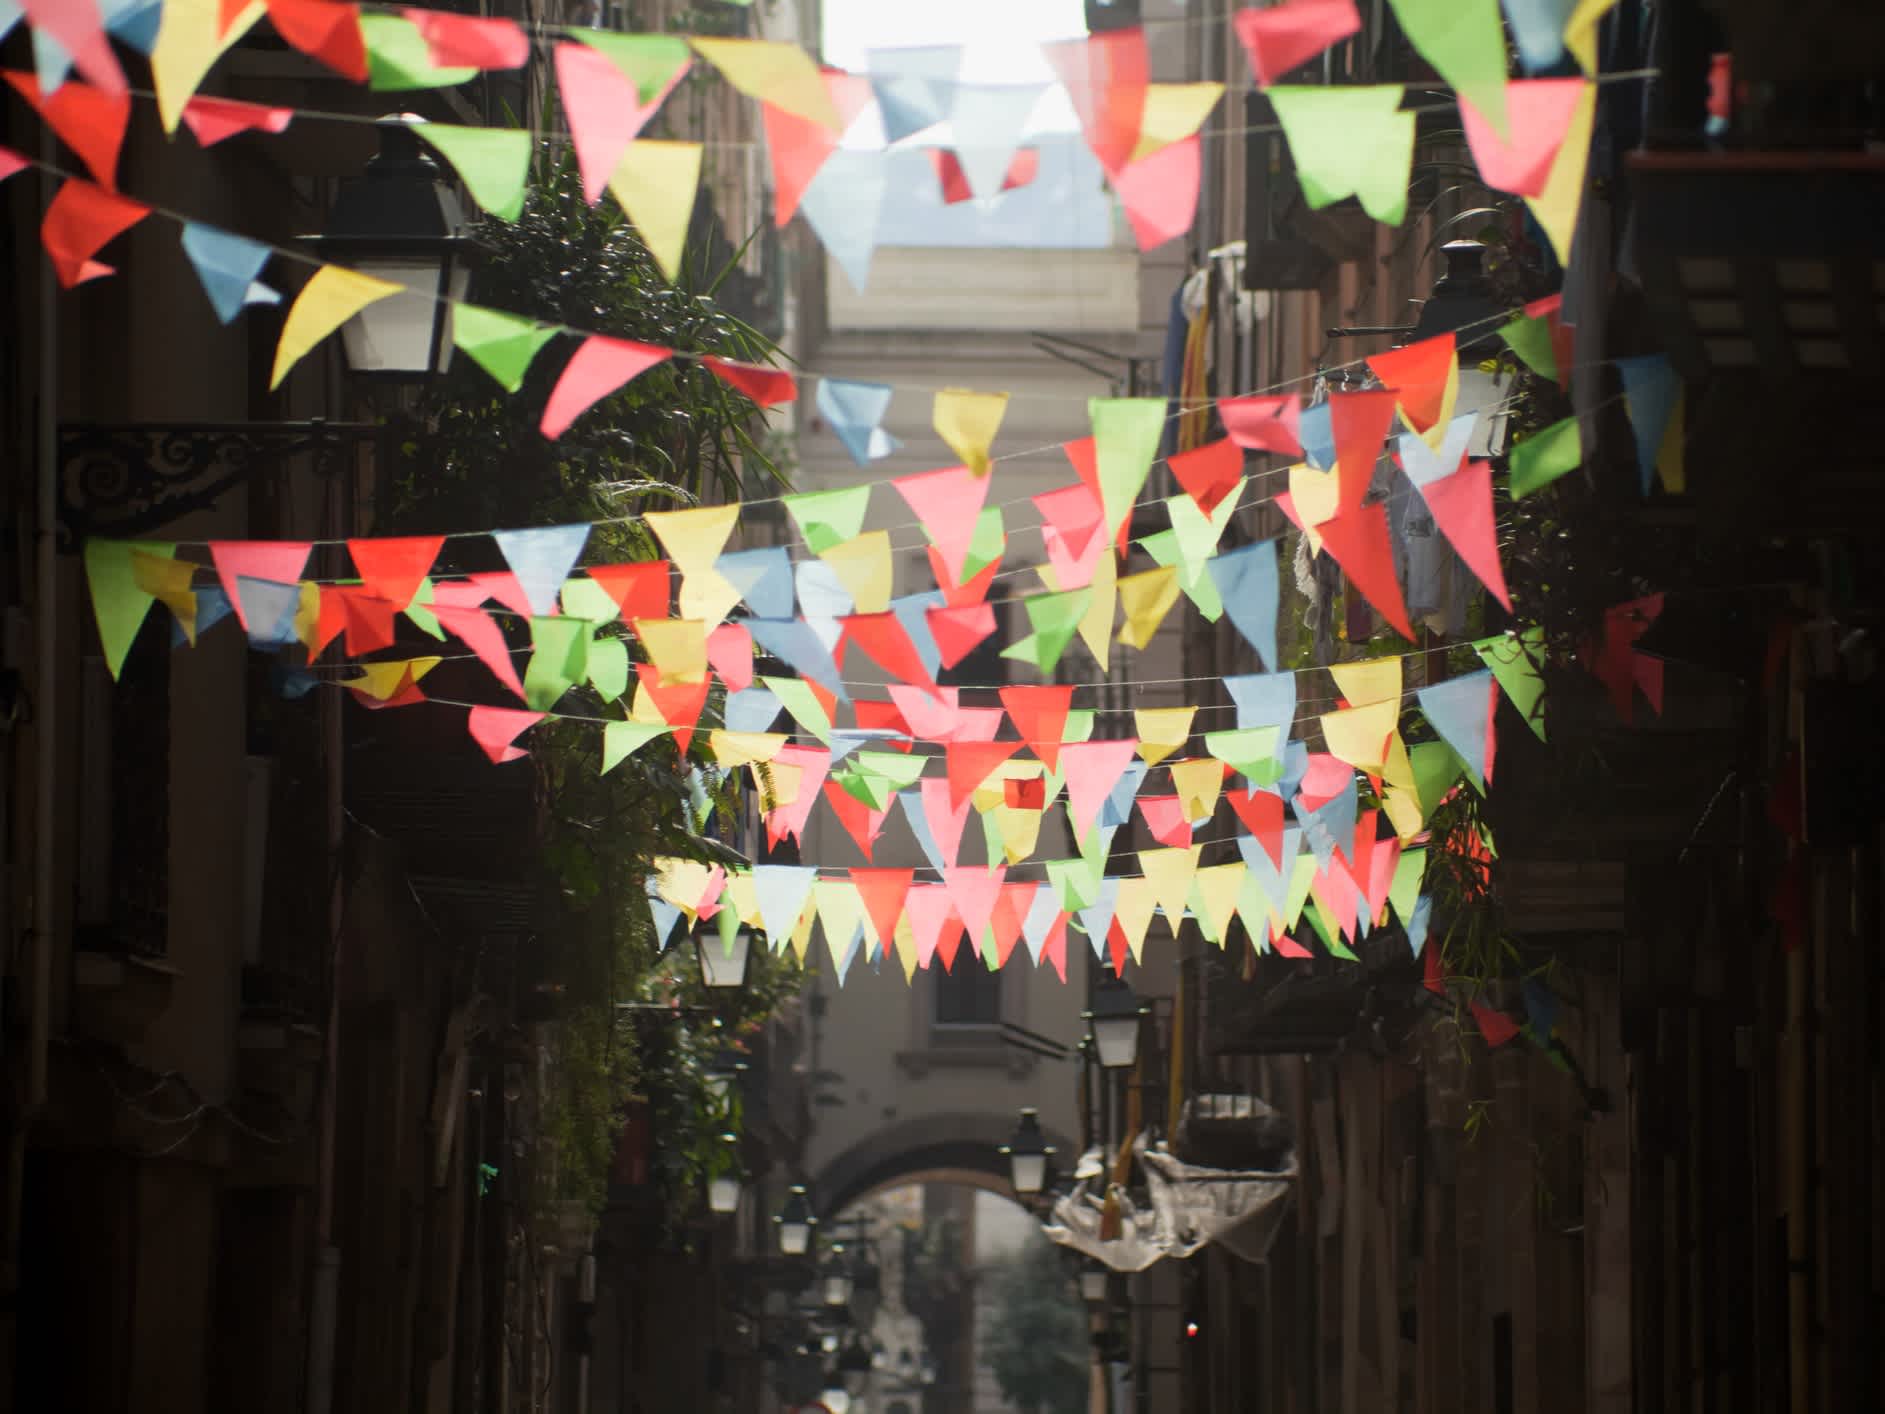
{"x":130,"y":479}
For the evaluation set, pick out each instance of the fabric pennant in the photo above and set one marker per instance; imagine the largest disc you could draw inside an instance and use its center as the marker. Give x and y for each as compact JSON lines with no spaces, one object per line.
{"x":782,"y":891}
{"x":120,"y":601}
{"x":468,"y":41}
{"x":493,"y":163}
{"x":967,"y":423}
{"x":326,"y":31}
{"x":655,"y":183}
{"x":1105,"y":75}
{"x":226,"y":265}
{"x":1464,"y":40}
{"x":1160,"y":192}
{"x":541,"y":560}
{"x":88,"y":120}
{"x":1270,"y":423}
{"x":599,"y":367}
{"x":763,"y":577}
{"x":933,"y":924}
{"x":1092,"y":768}
{"x":496,"y":728}
{"x":1459,"y":710}
{"x":1540,"y":113}
{"x":1651,"y":390}
{"x":80,"y":220}
{"x":776,"y":72}
{"x":398,"y":57}
{"x":1126,"y":434}
{"x":1208,"y":473}
{"x":1039,"y":714}
{"x":854,"y":410}
{"x":611,"y":85}
{"x":1349,"y":140}
{"x":828,"y":518}
{"x":1556,"y":208}
{"x":1461,"y":505}
{"x":1513,"y":661}
{"x":1543,"y":457}
{"x":270,"y":561}
{"x":841,"y":916}
{"x":214,"y":120}
{"x":1287,"y":36}
{"x":328,"y":300}
{"x":1246,"y":580}
{"x":914,"y":86}
{"x":191,"y":36}
{"x":503,"y":345}
{"x":766,"y":387}
{"x":948,"y":503}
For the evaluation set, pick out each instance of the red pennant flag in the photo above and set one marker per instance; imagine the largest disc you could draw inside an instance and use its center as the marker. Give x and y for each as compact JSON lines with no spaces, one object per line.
{"x":971,"y":591}
{"x":973,"y":890}
{"x":369,"y":618}
{"x":1054,"y":948}
{"x":80,"y":220}
{"x":1040,"y":716}
{"x":1165,"y":818}
{"x":1461,"y":504}
{"x":88,"y":120}
{"x":1025,"y":795}
{"x":1359,"y":852}
{"x":1335,"y":888}
{"x":971,"y":762}
{"x":640,"y":589}
{"x":324,"y":30}
{"x":1324,"y":778}
{"x":1209,"y":473}
{"x":1418,"y":375}
{"x":394,"y":567}
{"x":933,"y":924}
{"x":405,"y":694}
{"x":1084,"y":454}
{"x":331,"y":620}
{"x":1359,"y":423}
{"x":1116,"y":947}
{"x":279,"y":561}
{"x":469,"y":42}
{"x":1387,"y":854}
{"x":211,"y":120}
{"x":596,"y":370}
{"x":679,"y":703}
{"x":1287,"y":36}
{"x":1106,"y":78}
{"x":767,"y":387}
{"x":882,"y":636}
{"x":1358,"y":541}
{"x":1010,"y":912}
{"x":479,"y":632}
{"x":958,"y":630}
{"x":730,"y":652}
{"x":1264,"y":424}
{"x":860,"y":822}
{"x":954,"y":182}
{"x":495,"y":728}
{"x":883,"y":892}
{"x":1262,"y":814}
{"x":1433,"y":969}
{"x":883,"y":717}
{"x":799,"y":147}
{"x":1494,"y":1025}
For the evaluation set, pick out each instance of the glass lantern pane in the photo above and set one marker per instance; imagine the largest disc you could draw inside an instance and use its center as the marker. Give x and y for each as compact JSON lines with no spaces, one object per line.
{"x":393,"y":336}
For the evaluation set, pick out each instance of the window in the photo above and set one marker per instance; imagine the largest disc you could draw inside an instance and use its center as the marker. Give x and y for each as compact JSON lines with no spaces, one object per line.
{"x":968,"y":995}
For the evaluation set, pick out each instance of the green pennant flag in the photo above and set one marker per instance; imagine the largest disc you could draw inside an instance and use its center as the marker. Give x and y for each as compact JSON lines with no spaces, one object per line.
{"x":399,"y":58}
{"x":1197,"y":533}
{"x":902,"y":769}
{"x":987,"y":544}
{"x":827,"y":518}
{"x":1249,"y":751}
{"x":585,"y":598}
{"x":422,"y":616}
{"x":796,"y":696}
{"x":1404,"y":892}
{"x":1074,"y":883}
{"x":621,"y":740}
{"x":118,"y":603}
{"x":1529,"y":336}
{"x":559,"y":659}
{"x":1514,"y":665}
{"x":1055,"y":619}
{"x":1464,"y":40}
{"x":647,"y":60}
{"x":503,"y":344}
{"x":1194,"y":575}
{"x":865,"y":788}
{"x":1436,"y":766}
{"x":493,"y":163}
{"x":608,"y":667}
{"x":1349,"y":141}
{"x":1126,"y":434}
{"x":1544,"y":456}
{"x":1078,"y":726}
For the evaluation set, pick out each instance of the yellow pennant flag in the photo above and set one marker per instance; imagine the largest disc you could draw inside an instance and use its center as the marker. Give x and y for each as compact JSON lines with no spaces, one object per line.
{"x":1146,"y":598}
{"x":1359,"y":735}
{"x":1402,"y":807}
{"x":1161,"y":731}
{"x":777,"y":73}
{"x":841,"y":910}
{"x":968,"y":422}
{"x":1133,"y":912}
{"x":906,"y":947}
{"x":1556,"y":207}
{"x":779,"y":783}
{"x":1580,"y":31}
{"x":1174,"y":111}
{"x":1214,"y":898}
{"x":1197,"y":784}
{"x":681,"y":882}
{"x":802,"y":933}
{"x":863,"y":566}
{"x":742,"y":898}
{"x":1020,"y":831}
{"x":731,"y":749}
{"x":169,"y":582}
{"x":1096,"y":625}
{"x":190,"y":39}
{"x":694,"y":540}
{"x":655,"y":183}
{"x":1368,"y":681}
{"x":1168,"y":873}
{"x":326,"y":302}
{"x":382,"y":680}
{"x":308,"y":614}
{"x":1397,"y":769}
{"x":676,"y":647}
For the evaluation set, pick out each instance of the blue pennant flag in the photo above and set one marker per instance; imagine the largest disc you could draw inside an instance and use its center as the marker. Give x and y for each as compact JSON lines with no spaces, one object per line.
{"x":225,"y":264}
{"x":542,"y":559}
{"x":797,"y":644}
{"x":1246,"y":581}
{"x":1459,"y":709}
{"x":763,"y":577}
{"x":855,"y":411}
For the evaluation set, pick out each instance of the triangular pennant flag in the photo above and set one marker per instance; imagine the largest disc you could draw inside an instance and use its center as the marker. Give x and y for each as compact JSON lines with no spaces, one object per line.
{"x":1145,"y":599}
{"x":1174,"y":112}
{"x":967,"y":423}
{"x":679,"y":705}
{"x":883,"y":892}
{"x":1349,"y":140}
{"x":1359,"y":423}
{"x":986,"y":122}
{"x":1513,"y":663}
{"x":864,"y":567}
{"x":1246,"y":580}
{"x":1358,"y":541}
{"x":779,"y":73}
{"x":974,"y":891}
{"x":1132,"y":915}
{"x":1166,"y":819}
{"x":1423,"y":377}
{"x":655,"y":182}
{"x":467,"y":41}
{"x":1055,"y":619}
{"x":804,"y":705}
{"x":559,"y":659}
{"x":958,"y":630}
{"x":933,"y":923}
{"x":493,"y":163}
{"x":541,"y":560}
{"x":119,"y":599}
{"x":480,"y":633}
{"x":841,"y":915}
{"x":328,"y":300}
{"x":881,"y":636}
{"x":1540,"y":459}
{"x":763,"y":577}
{"x":170,"y":581}
{"x":1198,"y":782}
{"x":1270,"y":423}
{"x":1651,"y":389}
{"x":913,"y":86}
{"x":1163,"y":731}
{"x":1208,"y":473}
{"x":273,"y":561}
{"x":828,"y":518}
{"x":781,"y":892}
{"x":88,"y":120}
{"x":398,"y":58}
{"x":1039,"y":714}
{"x":767,"y":387}
{"x":1359,"y":736}
{"x":1287,"y":36}
{"x":1126,"y":434}
{"x":611,"y":85}
{"x":1092,"y":768}
{"x":948,"y":503}
{"x":844,"y":207}
{"x":1168,"y":874}
{"x":972,"y":762}
{"x":226,"y":266}
{"x":504,"y":345}
{"x":598,"y":368}
{"x":1250,"y":751}
{"x":1042,"y":921}
{"x":393,"y":568}
{"x":80,"y":220}
{"x":1105,"y":75}
{"x":496,"y":728}
{"x":1160,"y":192}
{"x":795,"y":643}
{"x":1556,"y":207}
{"x":694,"y":540}
{"x":191,"y":36}
{"x":1461,"y":506}
{"x":213,"y":120}
{"x":799,"y":147}
{"x":1009,"y":916}
{"x":325,"y":31}
{"x":943,"y":817}
{"x":1539,"y":112}
{"x":862,"y":821}
{"x":640,"y":590}
{"x":1264,"y":700}
{"x":1464,"y":40}
{"x":1096,"y":916}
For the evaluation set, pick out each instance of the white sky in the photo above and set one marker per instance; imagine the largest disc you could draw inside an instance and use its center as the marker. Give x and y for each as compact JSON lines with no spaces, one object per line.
{"x":999,"y":36}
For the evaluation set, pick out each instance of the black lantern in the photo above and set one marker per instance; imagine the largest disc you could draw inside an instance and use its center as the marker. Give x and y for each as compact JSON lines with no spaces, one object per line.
{"x":835,"y":1286}
{"x":724,"y":1186}
{"x":1027,"y":1154}
{"x":401,"y":222}
{"x":1114,"y":1019}
{"x":1464,"y":303}
{"x":796,"y":1222}
{"x":723,"y":959}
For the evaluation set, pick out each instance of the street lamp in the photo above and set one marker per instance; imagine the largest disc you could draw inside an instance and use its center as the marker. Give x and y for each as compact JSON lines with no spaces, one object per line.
{"x":1114,"y":1019}
{"x":400,"y":222}
{"x":796,"y":1222}
{"x":723,"y":1188}
{"x":1027,"y":1154}
{"x":1465,"y":303}
{"x":836,"y":1287}
{"x":721,"y":1079}
{"x":723,"y":960}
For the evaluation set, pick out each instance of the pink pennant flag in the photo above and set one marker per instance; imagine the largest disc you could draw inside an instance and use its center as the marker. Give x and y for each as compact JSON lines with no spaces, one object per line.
{"x":954,"y":182}
{"x":1160,"y":191}
{"x":211,"y":120}
{"x":325,"y":30}
{"x":1054,"y":949}
{"x":1106,"y":75}
{"x":730,"y":653}
{"x":78,"y":27}
{"x":767,"y":387}
{"x":1494,"y":1025}
{"x":505,"y":587}
{"x":1165,"y":818}
{"x":1461,"y":504}
{"x":945,"y":819}
{"x":977,"y":724}
{"x":1209,"y":473}
{"x":471,"y":42}
{"x":1334,"y":888}
{"x":279,"y":561}
{"x":495,"y":728}
{"x":480,"y":633}
{"x":970,"y":763}
{"x":1092,"y":769}
{"x":1073,"y":525}
{"x":814,"y":764}
{"x":948,"y":503}
{"x":973,"y":891}
{"x":1287,"y":946}
{"x":929,"y":715}
{"x":1264,"y":424}
{"x":1538,"y":114}
{"x":933,"y":923}
{"x":604,"y":109}
{"x":860,"y":822}
{"x":1324,"y":777}
{"x":1287,"y":36}
{"x":1083,"y":454}
{"x":1010,"y":913}
{"x":596,"y":370}
{"x":958,"y":630}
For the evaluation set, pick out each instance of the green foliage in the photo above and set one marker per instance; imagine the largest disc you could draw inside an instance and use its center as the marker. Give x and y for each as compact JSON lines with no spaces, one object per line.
{"x":1035,"y":1334}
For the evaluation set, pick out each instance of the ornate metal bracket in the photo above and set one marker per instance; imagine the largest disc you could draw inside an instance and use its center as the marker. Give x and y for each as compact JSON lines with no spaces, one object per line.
{"x":129,"y":479}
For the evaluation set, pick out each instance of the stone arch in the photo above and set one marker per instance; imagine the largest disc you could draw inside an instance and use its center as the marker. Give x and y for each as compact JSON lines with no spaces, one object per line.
{"x":951,"y":1148}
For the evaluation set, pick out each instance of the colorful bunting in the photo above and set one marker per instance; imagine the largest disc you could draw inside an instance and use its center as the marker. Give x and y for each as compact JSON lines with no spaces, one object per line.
{"x":1350,"y":140}
{"x":1287,"y":36}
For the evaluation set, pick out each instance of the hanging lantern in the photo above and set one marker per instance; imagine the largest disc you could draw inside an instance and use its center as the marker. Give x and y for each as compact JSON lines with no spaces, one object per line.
{"x":1114,"y":1020}
{"x":796,"y":1222}
{"x":1027,"y":1154}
